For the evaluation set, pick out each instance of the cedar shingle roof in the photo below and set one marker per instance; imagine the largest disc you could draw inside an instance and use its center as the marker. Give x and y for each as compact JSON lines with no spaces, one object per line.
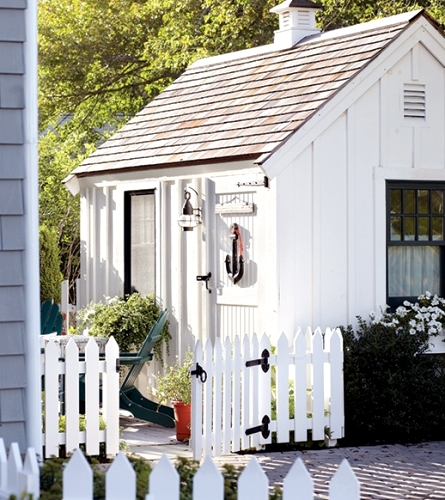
{"x":230,"y":108}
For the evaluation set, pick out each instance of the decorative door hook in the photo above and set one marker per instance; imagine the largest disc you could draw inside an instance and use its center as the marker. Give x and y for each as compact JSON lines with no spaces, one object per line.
{"x":235,"y":265}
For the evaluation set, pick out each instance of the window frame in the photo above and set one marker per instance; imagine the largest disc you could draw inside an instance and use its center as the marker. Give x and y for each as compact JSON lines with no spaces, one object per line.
{"x":394,"y":302}
{"x":126,"y":231}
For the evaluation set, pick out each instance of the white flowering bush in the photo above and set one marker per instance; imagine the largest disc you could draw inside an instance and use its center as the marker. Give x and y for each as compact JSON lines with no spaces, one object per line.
{"x":424,"y":318}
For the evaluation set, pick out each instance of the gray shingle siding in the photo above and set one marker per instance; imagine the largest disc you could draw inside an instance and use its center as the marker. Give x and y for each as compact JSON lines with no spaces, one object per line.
{"x":12,"y":304}
{"x":13,"y":280}
{"x":12,"y":233}
{"x":12,"y":26}
{"x":12,"y":268}
{"x":11,"y":197}
{"x":11,"y":127}
{"x":12,"y":162}
{"x":11,"y":91}
{"x":11,"y":338}
{"x":11,"y":58}
{"x":13,"y":372}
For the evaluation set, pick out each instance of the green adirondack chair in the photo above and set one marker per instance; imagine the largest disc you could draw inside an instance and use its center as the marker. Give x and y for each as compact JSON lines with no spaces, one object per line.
{"x":51,"y":319}
{"x":130,"y":398}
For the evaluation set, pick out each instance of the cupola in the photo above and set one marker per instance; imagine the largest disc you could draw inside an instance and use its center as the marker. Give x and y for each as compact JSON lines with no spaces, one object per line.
{"x":297,"y":21}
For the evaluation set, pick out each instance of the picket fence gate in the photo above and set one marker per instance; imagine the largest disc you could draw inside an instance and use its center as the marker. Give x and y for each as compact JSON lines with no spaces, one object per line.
{"x":61,"y":378}
{"x":243,"y":392}
{"x":164,"y":484}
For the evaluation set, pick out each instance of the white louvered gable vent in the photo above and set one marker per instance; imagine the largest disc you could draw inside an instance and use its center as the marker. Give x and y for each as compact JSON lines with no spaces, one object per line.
{"x":286,"y":20}
{"x":414,"y":100}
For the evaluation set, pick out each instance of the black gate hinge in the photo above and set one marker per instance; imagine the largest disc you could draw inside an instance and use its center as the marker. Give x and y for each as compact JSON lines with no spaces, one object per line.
{"x":263,"y":361}
{"x":263,"y":428}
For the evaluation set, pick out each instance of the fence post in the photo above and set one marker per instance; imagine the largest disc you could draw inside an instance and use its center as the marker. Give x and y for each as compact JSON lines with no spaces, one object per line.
{"x":196,"y":423}
{"x":111,"y":396}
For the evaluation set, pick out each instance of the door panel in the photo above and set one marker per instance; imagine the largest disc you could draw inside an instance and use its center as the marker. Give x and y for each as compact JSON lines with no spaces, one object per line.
{"x":236,"y":304}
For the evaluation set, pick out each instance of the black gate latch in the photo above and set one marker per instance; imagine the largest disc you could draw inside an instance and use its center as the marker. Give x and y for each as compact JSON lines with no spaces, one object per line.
{"x":205,"y":278}
{"x":199,"y":372}
{"x":264,"y":428}
{"x":263,"y":361}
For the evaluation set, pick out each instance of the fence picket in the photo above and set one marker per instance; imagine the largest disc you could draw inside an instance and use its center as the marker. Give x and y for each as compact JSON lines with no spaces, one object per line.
{"x":282,"y":388}
{"x":264,"y":396}
{"x":318,"y":421}
{"x":29,"y":476}
{"x":254,"y":389}
{"x":227,"y":395}
{"x":3,"y":465}
{"x":164,"y":480}
{"x":92,"y":397}
{"x":298,"y":479}
{"x":217,"y":399}
{"x":72,"y":396}
{"x":111,"y":396}
{"x":344,"y":485}
{"x":253,"y":482}
{"x":337,"y":419}
{"x":236,"y":395}
{"x":300,"y":386}
{"x":52,"y":385}
{"x":77,"y":478}
{"x":196,"y":417}
{"x":208,"y":399}
{"x":120,"y":481}
{"x":15,"y":466}
{"x":245,"y":392}
{"x":208,"y":479}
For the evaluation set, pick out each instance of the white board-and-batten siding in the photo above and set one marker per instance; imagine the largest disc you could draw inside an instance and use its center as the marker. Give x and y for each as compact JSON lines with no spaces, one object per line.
{"x":331,"y":197}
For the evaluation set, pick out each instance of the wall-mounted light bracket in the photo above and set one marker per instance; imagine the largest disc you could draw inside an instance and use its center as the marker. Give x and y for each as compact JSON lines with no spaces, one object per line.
{"x":190,"y":217}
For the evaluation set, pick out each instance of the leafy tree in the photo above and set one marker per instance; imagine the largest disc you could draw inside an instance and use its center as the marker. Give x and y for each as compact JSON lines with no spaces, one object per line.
{"x":50,"y":275}
{"x":101,"y":61}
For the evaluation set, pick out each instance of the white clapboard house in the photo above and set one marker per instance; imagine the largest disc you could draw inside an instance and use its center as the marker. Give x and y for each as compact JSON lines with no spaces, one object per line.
{"x":311,"y":172}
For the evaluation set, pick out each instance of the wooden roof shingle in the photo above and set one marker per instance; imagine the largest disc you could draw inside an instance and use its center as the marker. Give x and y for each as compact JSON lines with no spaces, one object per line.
{"x":224,"y":109}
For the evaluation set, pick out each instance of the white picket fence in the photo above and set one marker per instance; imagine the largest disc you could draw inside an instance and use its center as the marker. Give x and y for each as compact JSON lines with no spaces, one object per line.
{"x":61,"y":394}
{"x":301,"y":391}
{"x":120,"y":481}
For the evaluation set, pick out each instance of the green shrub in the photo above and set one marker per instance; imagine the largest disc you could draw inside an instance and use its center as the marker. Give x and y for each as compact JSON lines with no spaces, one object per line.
{"x":50,"y":275}
{"x":129,"y":320}
{"x":393,"y":392}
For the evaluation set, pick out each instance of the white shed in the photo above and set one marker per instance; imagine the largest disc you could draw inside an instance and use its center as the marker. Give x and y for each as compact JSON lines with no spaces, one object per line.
{"x":325,"y":149}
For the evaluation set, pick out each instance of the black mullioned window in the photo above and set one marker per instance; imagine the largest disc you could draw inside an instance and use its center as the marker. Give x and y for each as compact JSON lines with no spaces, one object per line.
{"x":139,"y":242}
{"x":416,"y":241}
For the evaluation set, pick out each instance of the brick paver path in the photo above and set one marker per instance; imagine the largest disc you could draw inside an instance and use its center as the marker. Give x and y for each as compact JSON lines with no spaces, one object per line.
{"x":390,"y":472}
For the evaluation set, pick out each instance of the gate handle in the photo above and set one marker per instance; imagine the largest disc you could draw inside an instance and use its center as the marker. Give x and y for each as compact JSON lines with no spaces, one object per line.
{"x":199,"y":372}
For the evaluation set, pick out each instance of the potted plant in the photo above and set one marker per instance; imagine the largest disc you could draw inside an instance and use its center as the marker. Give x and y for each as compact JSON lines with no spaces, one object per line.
{"x":175,"y":386}
{"x":128,"y":319}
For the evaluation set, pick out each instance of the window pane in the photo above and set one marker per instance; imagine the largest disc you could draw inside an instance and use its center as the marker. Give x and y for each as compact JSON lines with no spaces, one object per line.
{"x":413,"y":271}
{"x":396,"y":228}
{"x":409,"y":198}
{"x":409,"y":229}
{"x":396,"y":201}
{"x":437,"y":228}
{"x":143,"y":244}
{"x":437,"y":202}
{"x":423,"y":201}
{"x":424,"y":228}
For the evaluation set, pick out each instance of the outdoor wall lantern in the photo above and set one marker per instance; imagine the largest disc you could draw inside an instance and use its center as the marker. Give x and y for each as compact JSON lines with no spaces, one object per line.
{"x":190,"y":217}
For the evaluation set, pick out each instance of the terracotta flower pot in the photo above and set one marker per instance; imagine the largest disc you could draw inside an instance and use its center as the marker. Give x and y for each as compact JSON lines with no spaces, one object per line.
{"x":182,"y":414}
